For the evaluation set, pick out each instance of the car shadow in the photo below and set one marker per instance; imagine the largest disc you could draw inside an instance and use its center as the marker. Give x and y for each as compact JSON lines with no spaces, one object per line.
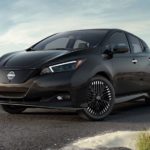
{"x":68,"y":127}
{"x":131,"y":112}
{"x":136,"y":111}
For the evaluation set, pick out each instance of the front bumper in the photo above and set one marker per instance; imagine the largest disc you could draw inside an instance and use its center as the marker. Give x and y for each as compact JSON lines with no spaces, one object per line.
{"x":43,"y":91}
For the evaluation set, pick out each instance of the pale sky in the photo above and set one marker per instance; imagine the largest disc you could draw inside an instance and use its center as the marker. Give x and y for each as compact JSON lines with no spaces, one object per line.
{"x":24,"y":22}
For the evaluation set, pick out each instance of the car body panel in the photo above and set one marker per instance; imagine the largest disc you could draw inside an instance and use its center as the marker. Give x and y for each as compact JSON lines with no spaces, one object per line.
{"x":29,"y":59}
{"x":30,"y":88}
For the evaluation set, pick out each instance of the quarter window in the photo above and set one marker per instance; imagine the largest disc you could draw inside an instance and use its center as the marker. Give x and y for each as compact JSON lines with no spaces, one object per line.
{"x":145,"y":47}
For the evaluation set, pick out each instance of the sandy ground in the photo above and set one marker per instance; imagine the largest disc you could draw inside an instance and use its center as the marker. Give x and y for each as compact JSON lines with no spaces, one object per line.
{"x":126,"y":139}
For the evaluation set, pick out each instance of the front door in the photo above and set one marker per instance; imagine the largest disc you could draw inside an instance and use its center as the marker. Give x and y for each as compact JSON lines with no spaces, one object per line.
{"x":125,"y":68}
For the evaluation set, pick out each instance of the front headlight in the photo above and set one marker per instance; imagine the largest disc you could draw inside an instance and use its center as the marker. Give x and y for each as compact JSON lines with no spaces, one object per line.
{"x":67,"y":66}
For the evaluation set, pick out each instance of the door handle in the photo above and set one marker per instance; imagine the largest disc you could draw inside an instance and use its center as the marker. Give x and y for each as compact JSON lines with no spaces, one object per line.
{"x":134,"y":61}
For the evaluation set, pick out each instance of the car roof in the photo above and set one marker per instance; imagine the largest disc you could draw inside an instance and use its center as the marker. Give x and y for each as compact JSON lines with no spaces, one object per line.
{"x":108,"y":30}
{"x":99,"y":29}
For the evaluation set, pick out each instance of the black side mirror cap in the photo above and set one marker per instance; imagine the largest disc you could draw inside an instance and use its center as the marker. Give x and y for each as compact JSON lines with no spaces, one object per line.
{"x":120,"y":49}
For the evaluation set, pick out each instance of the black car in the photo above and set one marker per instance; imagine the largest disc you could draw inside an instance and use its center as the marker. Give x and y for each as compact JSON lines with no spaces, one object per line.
{"x":85,"y":70}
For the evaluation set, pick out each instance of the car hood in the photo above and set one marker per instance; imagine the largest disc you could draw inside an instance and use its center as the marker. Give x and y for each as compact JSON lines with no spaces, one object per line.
{"x":29,"y":59}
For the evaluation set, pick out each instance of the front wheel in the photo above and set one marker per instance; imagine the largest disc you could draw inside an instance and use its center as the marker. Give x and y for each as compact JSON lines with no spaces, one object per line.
{"x":11,"y":109}
{"x":100,"y":98}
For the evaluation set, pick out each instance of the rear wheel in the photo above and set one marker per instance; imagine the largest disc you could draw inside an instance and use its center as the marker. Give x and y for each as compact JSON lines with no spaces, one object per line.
{"x":13,"y":109}
{"x":100,"y":97}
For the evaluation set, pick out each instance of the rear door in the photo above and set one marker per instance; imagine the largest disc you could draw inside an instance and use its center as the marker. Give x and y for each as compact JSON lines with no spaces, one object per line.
{"x":141,"y":59}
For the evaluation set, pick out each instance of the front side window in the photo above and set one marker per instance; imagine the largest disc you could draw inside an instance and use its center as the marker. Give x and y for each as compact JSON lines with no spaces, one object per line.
{"x":72,"y":40}
{"x":135,"y":44}
{"x":117,"y":39}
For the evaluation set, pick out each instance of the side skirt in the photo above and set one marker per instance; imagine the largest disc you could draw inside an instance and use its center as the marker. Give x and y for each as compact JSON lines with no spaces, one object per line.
{"x":46,"y":104}
{"x":126,"y":98}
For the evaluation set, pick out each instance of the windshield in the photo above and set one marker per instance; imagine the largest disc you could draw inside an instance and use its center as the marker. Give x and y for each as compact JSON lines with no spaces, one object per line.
{"x":72,"y":40}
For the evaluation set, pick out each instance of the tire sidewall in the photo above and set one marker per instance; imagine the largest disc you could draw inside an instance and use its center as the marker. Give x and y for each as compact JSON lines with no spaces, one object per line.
{"x":85,"y":114}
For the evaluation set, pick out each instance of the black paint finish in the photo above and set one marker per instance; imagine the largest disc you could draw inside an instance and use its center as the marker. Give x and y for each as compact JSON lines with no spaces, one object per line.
{"x":129,"y":73}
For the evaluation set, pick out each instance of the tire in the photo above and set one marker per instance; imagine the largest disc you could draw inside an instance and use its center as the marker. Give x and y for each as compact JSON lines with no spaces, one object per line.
{"x":100,"y":98}
{"x":11,"y":109}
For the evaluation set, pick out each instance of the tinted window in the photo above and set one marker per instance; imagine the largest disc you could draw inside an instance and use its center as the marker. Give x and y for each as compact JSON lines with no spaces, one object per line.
{"x":118,"y":38}
{"x":61,"y":42}
{"x":72,"y":40}
{"x":80,"y":44}
{"x":135,"y":44}
{"x":145,"y":47}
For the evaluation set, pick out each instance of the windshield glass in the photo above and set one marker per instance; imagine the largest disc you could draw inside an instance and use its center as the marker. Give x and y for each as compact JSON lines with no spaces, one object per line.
{"x":72,"y":40}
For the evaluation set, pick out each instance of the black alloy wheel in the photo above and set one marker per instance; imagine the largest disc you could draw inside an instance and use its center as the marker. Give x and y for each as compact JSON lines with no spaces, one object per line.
{"x":100,"y":97}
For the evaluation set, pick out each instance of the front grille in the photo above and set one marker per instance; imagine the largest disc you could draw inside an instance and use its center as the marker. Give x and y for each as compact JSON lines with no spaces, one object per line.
{"x":12,"y":94}
{"x":21,"y":76}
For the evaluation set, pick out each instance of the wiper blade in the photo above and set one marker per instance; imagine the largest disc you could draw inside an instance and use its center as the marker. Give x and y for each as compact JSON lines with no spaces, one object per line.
{"x":83,"y":48}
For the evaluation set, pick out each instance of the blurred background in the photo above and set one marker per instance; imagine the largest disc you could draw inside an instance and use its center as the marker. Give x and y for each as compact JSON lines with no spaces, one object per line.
{"x":25,"y":22}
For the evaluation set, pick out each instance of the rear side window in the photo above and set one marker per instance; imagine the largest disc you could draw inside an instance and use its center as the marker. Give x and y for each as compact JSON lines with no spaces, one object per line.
{"x":135,"y":44}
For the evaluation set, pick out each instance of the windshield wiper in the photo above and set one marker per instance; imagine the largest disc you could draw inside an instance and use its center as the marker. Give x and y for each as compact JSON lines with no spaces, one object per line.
{"x":86,"y":48}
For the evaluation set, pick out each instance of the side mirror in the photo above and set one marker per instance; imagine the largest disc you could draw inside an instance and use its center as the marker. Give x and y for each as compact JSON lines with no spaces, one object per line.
{"x":120,"y":49}
{"x":108,"y":52}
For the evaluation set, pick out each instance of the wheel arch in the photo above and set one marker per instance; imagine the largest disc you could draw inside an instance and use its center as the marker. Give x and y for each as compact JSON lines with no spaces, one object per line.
{"x":105,"y":75}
